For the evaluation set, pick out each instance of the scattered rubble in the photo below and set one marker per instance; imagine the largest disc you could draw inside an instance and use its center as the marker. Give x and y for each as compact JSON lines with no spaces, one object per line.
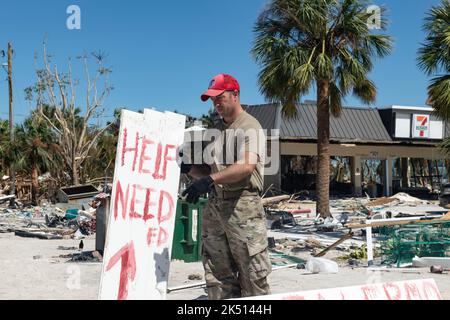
{"x":47,"y":222}
{"x":84,"y":256}
{"x":436,"y":269}
{"x":297,"y":235}
{"x":37,"y":234}
{"x":276,"y":219}
{"x":195,"y":276}
{"x":342,"y":235}
{"x":67,"y":248}
{"x":357,"y":254}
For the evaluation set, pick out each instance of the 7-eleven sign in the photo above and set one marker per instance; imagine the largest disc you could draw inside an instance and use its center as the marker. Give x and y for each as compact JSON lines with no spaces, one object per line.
{"x":421,"y":126}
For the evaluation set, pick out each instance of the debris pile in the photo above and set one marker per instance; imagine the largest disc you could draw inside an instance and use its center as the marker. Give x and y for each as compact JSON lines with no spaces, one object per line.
{"x":84,"y":256}
{"x":48,"y":222}
{"x":296,"y":230}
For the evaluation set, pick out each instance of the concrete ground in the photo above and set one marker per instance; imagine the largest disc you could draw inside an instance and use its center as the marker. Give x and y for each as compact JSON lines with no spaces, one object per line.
{"x":33,"y":269}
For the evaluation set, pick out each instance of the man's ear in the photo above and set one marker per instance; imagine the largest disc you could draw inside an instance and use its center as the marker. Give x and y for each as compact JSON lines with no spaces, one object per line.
{"x":236,"y":94}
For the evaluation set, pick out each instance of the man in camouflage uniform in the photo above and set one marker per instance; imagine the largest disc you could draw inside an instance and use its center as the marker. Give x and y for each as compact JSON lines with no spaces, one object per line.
{"x":234,"y":234}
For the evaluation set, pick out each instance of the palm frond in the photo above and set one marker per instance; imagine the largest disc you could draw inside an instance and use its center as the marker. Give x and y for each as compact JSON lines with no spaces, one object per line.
{"x":434,"y":54}
{"x":365,"y":90}
{"x":444,"y":146}
{"x":335,"y":100}
{"x":439,"y":93}
{"x":302,"y":42}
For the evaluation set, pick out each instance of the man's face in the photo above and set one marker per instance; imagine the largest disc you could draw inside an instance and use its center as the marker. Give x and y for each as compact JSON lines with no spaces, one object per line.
{"x":225,"y":103}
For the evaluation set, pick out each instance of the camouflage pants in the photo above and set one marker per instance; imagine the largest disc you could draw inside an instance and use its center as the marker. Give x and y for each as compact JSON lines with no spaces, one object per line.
{"x":234,"y":247}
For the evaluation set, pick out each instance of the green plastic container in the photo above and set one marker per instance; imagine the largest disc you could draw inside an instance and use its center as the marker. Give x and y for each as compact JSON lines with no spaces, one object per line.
{"x":71,"y":214}
{"x":187,"y":235}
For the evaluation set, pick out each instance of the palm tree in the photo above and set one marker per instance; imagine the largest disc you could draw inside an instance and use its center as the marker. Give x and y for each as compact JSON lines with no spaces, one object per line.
{"x":434,"y":57}
{"x":4,"y":144}
{"x":9,"y":151}
{"x":37,"y":150}
{"x":208,"y":119}
{"x":326,"y":43}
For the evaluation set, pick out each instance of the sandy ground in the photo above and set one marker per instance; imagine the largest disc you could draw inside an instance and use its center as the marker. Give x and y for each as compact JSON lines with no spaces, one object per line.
{"x":32,"y":269}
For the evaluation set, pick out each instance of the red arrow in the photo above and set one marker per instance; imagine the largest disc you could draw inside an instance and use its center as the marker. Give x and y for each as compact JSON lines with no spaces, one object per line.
{"x":128,"y":268}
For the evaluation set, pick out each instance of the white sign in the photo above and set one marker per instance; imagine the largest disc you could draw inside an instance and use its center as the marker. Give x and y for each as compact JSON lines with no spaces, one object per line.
{"x":402,"y":125}
{"x":194,"y":225}
{"x":404,"y":290}
{"x":436,"y":128}
{"x":421,"y":126}
{"x":143,"y":204}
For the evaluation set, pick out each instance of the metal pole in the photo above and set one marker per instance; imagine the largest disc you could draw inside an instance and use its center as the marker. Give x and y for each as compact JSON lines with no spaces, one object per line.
{"x":203,"y":283}
{"x":369,"y":241}
{"x":387,"y":179}
{"x":11,"y":122}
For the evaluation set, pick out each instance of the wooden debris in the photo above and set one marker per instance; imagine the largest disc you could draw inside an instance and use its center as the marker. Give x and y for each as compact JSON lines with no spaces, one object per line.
{"x":311,"y":242}
{"x":39,"y":235}
{"x":276,"y":199}
{"x":6,"y":198}
{"x":380,"y":202}
{"x":62,"y":232}
{"x":334,"y":245}
{"x":395,"y":222}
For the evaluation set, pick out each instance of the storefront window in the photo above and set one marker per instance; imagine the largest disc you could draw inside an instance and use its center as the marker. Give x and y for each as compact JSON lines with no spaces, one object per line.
{"x":299,"y":174}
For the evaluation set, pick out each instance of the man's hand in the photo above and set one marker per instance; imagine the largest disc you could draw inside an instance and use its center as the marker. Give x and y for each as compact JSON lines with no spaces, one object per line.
{"x":185,"y":168}
{"x":195,"y":190}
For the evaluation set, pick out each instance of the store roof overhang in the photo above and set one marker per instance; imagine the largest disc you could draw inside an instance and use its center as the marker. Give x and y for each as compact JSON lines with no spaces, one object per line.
{"x":432,"y":144}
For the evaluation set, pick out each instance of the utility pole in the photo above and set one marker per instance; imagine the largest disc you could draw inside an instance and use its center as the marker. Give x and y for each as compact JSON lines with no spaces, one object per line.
{"x":11,"y":122}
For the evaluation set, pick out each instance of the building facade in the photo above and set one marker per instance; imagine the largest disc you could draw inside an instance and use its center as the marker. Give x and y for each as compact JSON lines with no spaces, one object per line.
{"x":373,"y":151}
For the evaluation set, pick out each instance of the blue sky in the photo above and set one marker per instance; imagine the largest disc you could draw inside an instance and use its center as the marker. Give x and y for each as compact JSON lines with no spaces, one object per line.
{"x":164,"y":53}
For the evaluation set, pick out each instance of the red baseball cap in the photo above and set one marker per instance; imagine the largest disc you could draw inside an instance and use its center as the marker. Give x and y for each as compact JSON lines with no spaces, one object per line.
{"x":219,"y":84}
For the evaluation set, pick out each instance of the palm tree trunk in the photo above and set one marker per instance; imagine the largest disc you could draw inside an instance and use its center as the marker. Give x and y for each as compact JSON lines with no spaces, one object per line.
{"x":405,"y":173}
{"x":34,"y":183}
{"x":323,"y":149}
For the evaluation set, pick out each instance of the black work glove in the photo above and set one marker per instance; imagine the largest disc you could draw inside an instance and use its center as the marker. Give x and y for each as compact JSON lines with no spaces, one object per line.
{"x":195,"y":190}
{"x":185,"y":168}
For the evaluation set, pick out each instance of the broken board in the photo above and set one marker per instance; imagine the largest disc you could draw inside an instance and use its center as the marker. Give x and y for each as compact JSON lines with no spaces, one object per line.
{"x":143,"y":203}
{"x":423,"y":289}
{"x":393,"y":222}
